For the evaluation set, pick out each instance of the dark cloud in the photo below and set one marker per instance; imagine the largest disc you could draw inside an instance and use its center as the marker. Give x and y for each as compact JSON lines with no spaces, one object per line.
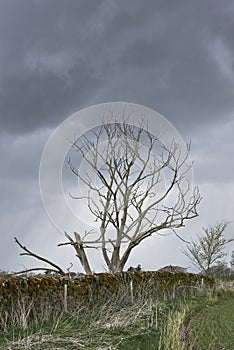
{"x":58,"y":57}
{"x":213,"y":154}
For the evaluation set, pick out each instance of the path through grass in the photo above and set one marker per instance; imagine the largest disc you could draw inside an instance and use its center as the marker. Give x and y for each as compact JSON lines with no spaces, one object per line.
{"x":213,"y":327}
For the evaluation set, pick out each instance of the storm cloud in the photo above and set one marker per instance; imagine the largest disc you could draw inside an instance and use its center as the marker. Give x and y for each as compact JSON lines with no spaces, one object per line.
{"x":57,"y":57}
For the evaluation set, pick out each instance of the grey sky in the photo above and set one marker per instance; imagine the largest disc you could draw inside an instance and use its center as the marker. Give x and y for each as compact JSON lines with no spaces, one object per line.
{"x":57,"y":57}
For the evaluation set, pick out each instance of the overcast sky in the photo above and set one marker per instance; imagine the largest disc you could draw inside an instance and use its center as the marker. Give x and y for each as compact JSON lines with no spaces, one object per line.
{"x":58,"y":57}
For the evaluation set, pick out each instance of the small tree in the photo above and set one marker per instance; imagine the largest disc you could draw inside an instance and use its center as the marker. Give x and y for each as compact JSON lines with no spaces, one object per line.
{"x":209,"y":248}
{"x":232,"y":261}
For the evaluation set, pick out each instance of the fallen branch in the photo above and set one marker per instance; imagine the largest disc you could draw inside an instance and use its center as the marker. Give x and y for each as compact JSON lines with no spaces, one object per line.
{"x":56,"y":269}
{"x":35,"y":269}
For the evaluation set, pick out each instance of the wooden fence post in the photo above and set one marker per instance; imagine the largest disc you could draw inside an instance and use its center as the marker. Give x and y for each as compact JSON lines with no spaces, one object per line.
{"x":131,"y":291}
{"x":174,"y":291}
{"x":65,"y":297}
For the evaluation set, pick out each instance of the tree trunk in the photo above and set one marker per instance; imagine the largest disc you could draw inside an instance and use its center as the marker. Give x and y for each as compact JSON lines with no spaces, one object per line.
{"x":81,"y":254}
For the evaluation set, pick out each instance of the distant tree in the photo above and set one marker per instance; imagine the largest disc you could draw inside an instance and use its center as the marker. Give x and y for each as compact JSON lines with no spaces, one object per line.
{"x":4,"y":273}
{"x":232,"y":261}
{"x":175,"y":269}
{"x":221,"y":269}
{"x":135,"y":269}
{"x":124,"y":167}
{"x":208,"y":250}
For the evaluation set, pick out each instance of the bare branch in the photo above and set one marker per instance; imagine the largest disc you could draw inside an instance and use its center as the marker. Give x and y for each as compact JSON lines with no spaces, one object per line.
{"x":37,"y":269}
{"x":30,"y":253}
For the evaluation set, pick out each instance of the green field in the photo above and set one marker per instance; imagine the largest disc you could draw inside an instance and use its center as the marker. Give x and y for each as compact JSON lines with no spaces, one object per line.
{"x":204,"y":321}
{"x":213,"y":327}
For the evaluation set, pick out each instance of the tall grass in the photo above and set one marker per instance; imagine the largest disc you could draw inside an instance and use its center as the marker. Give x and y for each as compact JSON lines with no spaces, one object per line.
{"x":145,"y":323}
{"x":171,"y":338}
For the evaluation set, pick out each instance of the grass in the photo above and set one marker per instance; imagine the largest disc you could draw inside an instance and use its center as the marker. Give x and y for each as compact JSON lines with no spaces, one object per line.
{"x":203,"y":321}
{"x":212,"y":327}
{"x":101,"y":327}
{"x":108,"y":326}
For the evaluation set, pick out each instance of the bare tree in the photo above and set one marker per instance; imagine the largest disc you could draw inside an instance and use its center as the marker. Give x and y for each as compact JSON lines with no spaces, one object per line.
{"x":123,"y":171}
{"x":134,"y":185}
{"x":232,"y":261}
{"x":209,"y":248}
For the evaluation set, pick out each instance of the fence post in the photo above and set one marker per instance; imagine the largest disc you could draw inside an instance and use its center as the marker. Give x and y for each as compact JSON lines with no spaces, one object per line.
{"x":173,"y":293}
{"x":65,"y":297}
{"x":156,"y":316}
{"x":202,"y":283}
{"x":131,"y":291}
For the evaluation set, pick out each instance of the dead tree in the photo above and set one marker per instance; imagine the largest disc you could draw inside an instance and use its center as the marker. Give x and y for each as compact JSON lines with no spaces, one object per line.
{"x":134,"y":185}
{"x":122,"y":178}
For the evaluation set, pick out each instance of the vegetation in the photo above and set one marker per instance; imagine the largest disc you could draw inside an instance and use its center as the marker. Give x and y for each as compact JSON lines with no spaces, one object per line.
{"x":171,"y":322}
{"x":209,"y":248}
{"x":46,"y":293}
{"x":212,"y":328}
{"x":232,"y":261}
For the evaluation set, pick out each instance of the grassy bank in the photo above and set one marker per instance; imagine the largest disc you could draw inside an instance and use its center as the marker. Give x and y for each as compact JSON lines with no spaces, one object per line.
{"x":202,"y":321}
{"x":211,"y":326}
